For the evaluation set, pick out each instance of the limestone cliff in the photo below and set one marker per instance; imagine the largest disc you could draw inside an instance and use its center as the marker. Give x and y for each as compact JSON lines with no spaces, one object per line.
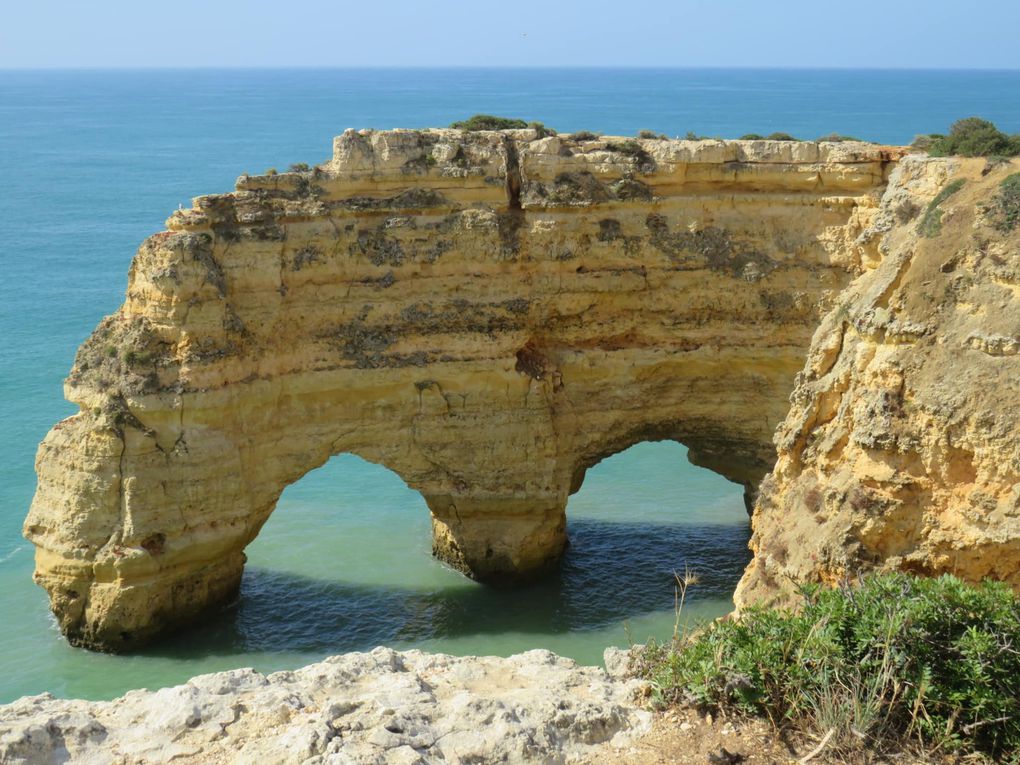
{"x":902,"y":446}
{"x":486,"y":314}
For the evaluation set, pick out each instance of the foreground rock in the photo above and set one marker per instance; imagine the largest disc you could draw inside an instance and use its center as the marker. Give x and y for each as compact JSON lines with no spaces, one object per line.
{"x":379,"y":707}
{"x":902,"y":446}
{"x":486,"y":314}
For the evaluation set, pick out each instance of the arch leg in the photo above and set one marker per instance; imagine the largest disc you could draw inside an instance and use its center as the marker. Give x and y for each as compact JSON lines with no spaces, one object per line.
{"x":498,"y":541}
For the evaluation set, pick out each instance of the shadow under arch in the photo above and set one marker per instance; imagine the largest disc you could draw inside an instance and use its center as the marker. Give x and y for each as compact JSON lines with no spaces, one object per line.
{"x":344,"y":564}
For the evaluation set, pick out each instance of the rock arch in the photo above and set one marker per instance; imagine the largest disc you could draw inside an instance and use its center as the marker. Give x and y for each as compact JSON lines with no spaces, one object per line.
{"x":486,"y":314}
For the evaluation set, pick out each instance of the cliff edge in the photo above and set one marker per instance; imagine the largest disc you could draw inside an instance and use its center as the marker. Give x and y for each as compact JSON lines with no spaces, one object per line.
{"x":902,"y":446}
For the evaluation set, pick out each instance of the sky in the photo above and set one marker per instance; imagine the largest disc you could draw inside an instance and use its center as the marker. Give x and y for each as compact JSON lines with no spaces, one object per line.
{"x":402,"y":33}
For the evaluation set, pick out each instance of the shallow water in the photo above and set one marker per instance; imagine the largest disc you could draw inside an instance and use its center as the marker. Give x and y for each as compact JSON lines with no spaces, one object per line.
{"x":94,"y":161}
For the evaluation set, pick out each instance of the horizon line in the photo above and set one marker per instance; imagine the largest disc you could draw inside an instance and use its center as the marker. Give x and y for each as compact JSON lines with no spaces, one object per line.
{"x":494,"y":67}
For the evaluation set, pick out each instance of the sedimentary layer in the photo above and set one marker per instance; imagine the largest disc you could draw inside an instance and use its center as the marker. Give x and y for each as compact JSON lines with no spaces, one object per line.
{"x":902,"y":446}
{"x":486,"y":314}
{"x":381,"y":707}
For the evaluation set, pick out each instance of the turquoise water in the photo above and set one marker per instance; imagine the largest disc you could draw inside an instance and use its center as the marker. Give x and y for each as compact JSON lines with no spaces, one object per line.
{"x":93,"y":162}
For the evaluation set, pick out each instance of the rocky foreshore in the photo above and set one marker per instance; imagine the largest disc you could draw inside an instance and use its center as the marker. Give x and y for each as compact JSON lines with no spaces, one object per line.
{"x":384,"y":706}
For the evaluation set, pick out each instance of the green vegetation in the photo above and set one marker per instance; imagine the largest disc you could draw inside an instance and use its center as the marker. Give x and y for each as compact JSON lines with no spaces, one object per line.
{"x":272,"y":171}
{"x":692,"y":136}
{"x":584,"y":135}
{"x":1005,"y":208}
{"x":931,"y":223}
{"x":769,"y":137}
{"x":970,"y":137}
{"x":838,"y":138}
{"x":299,"y":167}
{"x":651,"y":135}
{"x":895,"y":662}
{"x":488,"y":122}
{"x":541,"y":129}
{"x":133,"y":357}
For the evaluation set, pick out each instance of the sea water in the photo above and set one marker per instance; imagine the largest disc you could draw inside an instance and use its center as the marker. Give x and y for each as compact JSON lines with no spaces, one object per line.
{"x":94,"y":161}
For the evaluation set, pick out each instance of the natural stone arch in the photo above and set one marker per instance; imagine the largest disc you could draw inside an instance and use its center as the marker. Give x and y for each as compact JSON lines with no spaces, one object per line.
{"x":485,"y":314}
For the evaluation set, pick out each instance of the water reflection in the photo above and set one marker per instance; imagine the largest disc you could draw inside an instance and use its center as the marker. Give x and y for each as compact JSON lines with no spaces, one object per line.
{"x":611,"y":572}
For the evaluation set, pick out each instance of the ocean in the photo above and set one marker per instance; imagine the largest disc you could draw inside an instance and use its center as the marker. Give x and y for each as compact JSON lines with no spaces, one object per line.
{"x":94,"y":161}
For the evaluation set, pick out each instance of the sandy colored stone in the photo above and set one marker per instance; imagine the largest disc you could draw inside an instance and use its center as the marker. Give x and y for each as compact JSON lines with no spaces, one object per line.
{"x":486,"y":314}
{"x":902,"y":446}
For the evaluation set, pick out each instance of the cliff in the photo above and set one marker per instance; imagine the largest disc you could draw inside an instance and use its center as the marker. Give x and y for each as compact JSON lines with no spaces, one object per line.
{"x":486,"y":314}
{"x":901,"y":449}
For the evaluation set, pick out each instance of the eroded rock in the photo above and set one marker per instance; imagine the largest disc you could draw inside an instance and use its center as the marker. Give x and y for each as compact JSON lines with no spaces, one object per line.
{"x":902,"y":446}
{"x":407,"y":708}
{"x":486,"y":314}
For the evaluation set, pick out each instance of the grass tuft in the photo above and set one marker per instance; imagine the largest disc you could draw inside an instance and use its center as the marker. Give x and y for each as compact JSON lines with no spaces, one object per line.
{"x":931,"y":223}
{"x":1005,"y":206}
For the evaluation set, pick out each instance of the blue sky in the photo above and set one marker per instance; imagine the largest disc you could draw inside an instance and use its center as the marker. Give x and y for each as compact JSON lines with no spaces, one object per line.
{"x":259,"y":33}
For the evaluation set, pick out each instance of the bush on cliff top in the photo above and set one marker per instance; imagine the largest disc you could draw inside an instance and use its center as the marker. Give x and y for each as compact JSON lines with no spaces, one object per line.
{"x":971,"y":137}
{"x":893,"y":660}
{"x":488,"y":122}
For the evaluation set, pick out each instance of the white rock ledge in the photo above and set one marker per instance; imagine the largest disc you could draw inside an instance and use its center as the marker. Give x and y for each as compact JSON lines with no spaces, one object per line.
{"x":380,"y":707}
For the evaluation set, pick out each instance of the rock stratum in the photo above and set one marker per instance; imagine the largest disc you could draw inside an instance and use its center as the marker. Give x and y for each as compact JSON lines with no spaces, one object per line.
{"x":356,"y":709}
{"x":490,"y":314}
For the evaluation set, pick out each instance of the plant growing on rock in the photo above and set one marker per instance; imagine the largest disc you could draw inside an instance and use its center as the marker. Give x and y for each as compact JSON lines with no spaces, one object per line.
{"x":633,"y":149}
{"x":299,"y":167}
{"x":931,"y":223}
{"x":837,"y":138}
{"x":541,"y":131}
{"x":488,"y":122}
{"x":1005,"y":207}
{"x":892,"y":661}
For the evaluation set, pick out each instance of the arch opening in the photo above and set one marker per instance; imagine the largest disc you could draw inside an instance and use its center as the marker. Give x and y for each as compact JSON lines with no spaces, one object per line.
{"x":679,"y":516}
{"x":344,"y":563}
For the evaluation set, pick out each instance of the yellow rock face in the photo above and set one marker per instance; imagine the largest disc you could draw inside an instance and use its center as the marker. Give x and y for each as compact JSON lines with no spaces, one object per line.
{"x":486,"y":314}
{"x":902,"y":447}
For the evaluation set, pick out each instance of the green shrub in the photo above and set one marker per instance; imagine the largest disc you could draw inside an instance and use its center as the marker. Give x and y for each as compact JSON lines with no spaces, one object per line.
{"x":584,"y":135}
{"x":781,"y":137}
{"x":895,"y":658}
{"x":1006,"y":205}
{"x":752,"y":137}
{"x":271,"y":171}
{"x":541,"y":130}
{"x":924,"y":142}
{"x":651,"y":135}
{"x":973,"y":137}
{"x":838,"y":138}
{"x":931,"y":223}
{"x":299,"y":167}
{"x":692,"y":136}
{"x":488,"y":122}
